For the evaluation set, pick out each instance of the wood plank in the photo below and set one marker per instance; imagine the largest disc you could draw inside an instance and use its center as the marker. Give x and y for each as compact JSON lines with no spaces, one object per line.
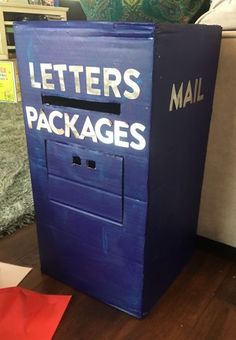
{"x":227,"y":290}
{"x":217,"y":322}
{"x":192,"y":291}
{"x":20,"y":248}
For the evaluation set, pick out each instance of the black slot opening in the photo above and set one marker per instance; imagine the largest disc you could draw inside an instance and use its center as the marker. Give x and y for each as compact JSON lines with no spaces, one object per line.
{"x":76,"y":160}
{"x":82,"y":104}
{"x":91,"y":164}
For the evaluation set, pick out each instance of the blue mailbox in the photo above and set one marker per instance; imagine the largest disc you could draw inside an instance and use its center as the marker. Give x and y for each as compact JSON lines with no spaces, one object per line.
{"x":117,"y":118}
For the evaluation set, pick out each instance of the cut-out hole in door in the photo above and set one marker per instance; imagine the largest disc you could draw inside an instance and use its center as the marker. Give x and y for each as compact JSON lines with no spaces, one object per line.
{"x":91,"y":164}
{"x":76,"y":160}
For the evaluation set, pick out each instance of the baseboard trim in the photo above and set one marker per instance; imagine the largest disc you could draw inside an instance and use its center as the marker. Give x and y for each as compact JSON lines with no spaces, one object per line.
{"x":216,"y":247}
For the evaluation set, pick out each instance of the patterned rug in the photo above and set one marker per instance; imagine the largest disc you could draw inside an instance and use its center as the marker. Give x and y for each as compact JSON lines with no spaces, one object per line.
{"x":16,"y":203}
{"x":172,"y":11}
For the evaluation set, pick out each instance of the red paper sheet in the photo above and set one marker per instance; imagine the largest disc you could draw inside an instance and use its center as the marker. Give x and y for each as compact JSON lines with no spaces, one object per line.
{"x":27,"y":315}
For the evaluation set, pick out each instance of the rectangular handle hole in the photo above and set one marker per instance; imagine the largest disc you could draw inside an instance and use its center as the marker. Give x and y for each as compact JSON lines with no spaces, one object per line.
{"x":82,"y":104}
{"x":76,"y":160}
{"x":91,"y":164}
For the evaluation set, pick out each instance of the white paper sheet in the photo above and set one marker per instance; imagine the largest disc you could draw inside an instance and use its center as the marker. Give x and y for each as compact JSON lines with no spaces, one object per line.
{"x":11,"y":275}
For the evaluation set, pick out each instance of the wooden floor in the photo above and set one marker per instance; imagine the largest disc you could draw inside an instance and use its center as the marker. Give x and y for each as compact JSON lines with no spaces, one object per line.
{"x":200,"y":304}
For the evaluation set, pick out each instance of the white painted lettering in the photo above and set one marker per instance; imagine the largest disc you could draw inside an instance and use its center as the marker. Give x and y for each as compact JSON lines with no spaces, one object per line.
{"x":46,"y":76}
{"x":88,"y":79}
{"x":34,"y":83}
{"x":188,"y":98}
{"x":176,"y":99}
{"x":51,"y":118}
{"x":131,"y":83}
{"x":111,"y":83}
{"x":91,"y":80}
{"x":43,"y":122}
{"x":76,"y":70}
{"x":195,"y":90}
{"x":70,"y":125}
{"x":104,"y":130}
{"x":200,"y":96}
{"x":141,"y":140}
{"x":118,"y":133}
{"x":188,"y":93}
{"x":31,"y":114}
{"x":108,"y":138}
{"x":60,"y":70}
{"x":88,"y":130}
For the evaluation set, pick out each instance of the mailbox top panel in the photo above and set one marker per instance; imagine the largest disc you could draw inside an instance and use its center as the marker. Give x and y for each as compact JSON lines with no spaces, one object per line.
{"x":117,"y":29}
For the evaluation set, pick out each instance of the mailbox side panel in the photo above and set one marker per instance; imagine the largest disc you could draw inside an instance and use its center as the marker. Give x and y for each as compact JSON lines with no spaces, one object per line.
{"x":91,"y":223}
{"x":186,"y":59}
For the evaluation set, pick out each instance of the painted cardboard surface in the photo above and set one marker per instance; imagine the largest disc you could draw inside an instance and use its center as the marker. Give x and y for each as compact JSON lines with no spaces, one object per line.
{"x":117,"y":118}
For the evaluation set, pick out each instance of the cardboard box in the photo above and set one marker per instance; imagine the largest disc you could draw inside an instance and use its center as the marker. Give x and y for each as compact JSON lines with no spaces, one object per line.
{"x":117,"y":118}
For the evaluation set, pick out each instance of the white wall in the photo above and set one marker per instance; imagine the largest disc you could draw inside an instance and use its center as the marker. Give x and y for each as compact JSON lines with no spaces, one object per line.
{"x":217,"y":219}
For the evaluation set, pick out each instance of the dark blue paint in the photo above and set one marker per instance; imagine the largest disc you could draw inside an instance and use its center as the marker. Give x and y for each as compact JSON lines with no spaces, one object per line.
{"x":108,"y":174}
{"x":85,"y":197}
{"x":123,"y":231}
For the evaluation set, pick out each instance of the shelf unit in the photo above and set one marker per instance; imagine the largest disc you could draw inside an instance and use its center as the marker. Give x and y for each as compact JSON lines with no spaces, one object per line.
{"x":7,"y":10}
